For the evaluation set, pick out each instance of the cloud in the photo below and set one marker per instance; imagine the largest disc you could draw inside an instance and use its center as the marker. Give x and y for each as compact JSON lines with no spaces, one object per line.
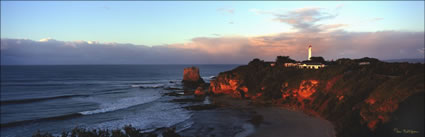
{"x":226,"y":10}
{"x":45,"y":39}
{"x":218,"y":50}
{"x":80,"y":52}
{"x":421,"y":50}
{"x":258,"y":11}
{"x":332,"y":26}
{"x":328,"y":40}
{"x":305,"y":19}
{"x":339,"y":6}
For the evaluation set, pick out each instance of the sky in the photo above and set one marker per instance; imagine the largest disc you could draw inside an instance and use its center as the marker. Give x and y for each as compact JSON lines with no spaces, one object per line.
{"x":210,"y":32}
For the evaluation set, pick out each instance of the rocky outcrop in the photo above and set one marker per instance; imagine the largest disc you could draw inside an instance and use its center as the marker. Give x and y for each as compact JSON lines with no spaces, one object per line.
{"x":191,"y":77}
{"x":228,"y":84}
{"x":357,"y":99}
{"x":202,"y":89}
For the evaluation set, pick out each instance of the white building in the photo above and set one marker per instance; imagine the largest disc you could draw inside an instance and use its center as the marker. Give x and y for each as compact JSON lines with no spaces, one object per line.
{"x":291,"y":64}
{"x":306,"y":65}
{"x":364,"y":63}
{"x":312,"y":65}
{"x":309,"y":52}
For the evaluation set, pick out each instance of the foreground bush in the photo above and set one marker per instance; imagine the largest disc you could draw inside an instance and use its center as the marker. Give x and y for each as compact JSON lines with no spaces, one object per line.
{"x":127,"y":131}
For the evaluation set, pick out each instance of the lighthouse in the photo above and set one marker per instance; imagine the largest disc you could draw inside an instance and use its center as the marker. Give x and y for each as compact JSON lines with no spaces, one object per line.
{"x":309,"y":52}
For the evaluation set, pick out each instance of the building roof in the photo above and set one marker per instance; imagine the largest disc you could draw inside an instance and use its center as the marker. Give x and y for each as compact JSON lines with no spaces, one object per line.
{"x":312,"y":63}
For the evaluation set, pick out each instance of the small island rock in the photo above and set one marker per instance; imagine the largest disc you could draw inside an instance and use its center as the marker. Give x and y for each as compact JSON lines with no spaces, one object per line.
{"x":191,"y":77}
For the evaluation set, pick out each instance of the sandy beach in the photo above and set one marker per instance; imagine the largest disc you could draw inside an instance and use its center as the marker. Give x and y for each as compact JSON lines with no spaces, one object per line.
{"x":241,"y":118}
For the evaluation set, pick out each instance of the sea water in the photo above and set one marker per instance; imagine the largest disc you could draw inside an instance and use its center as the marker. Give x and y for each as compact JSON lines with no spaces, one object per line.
{"x":56,"y":98}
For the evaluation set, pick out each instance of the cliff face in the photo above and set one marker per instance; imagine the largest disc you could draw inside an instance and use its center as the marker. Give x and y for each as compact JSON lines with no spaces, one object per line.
{"x":191,"y":77}
{"x":358,"y":99}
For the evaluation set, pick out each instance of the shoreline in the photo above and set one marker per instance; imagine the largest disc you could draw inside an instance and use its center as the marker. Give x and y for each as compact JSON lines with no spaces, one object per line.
{"x":256,"y":120}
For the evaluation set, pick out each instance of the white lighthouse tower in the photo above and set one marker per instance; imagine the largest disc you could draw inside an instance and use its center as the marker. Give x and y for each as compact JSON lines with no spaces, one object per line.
{"x":309,"y":52}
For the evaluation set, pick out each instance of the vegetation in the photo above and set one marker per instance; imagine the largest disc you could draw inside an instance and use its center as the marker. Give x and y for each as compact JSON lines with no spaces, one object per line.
{"x":126,"y":131}
{"x":284,"y":59}
{"x":317,"y":59}
{"x":349,"y":94}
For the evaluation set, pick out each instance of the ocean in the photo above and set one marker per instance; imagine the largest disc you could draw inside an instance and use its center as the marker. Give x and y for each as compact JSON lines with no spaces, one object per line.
{"x":56,"y":98}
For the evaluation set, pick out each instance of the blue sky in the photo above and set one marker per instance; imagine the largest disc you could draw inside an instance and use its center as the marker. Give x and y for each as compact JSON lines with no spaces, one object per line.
{"x":159,"y":23}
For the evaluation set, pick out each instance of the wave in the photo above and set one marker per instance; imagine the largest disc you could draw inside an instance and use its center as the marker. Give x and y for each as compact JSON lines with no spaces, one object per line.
{"x":80,"y":82}
{"x":107,"y":90}
{"x":154,"y":116}
{"x":147,"y":85}
{"x":208,"y":77}
{"x":61,"y":117}
{"x":121,"y":104}
{"x":116,"y":92}
{"x":31,"y":100}
{"x":183,"y":125}
{"x":55,"y":83}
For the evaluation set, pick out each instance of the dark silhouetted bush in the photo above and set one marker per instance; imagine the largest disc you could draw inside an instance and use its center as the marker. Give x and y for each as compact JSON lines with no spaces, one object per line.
{"x":129,"y":131}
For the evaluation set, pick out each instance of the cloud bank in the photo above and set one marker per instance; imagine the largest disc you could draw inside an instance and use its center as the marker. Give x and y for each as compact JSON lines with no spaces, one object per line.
{"x":328,"y":40}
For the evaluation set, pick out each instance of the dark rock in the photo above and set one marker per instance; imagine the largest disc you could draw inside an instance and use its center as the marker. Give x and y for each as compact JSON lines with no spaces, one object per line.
{"x":256,"y":119}
{"x":172,"y":88}
{"x":202,"y":89}
{"x":185,"y":100}
{"x":170,"y":132}
{"x":202,"y":107}
{"x":191,"y":78}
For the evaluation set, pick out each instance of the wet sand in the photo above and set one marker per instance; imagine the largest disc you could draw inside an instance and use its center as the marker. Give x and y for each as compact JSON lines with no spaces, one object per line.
{"x":239,"y":118}
{"x":283,"y":122}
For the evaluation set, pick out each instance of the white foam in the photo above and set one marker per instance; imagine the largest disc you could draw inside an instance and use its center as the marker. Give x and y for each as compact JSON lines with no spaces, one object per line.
{"x":208,"y":78}
{"x":184,"y":126}
{"x":207,"y":100}
{"x":147,"y":85}
{"x":160,"y":114}
{"x":121,"y":104}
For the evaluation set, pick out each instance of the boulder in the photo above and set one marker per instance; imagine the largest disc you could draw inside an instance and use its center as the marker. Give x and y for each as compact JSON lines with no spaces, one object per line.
{"x":191,"y":77}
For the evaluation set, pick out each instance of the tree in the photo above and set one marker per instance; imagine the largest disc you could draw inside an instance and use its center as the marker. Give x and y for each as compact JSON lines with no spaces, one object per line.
{"x":367,"y":59}
{"x":284,"y":59}
{"x":256,"y":62}
{"x":317,"y":59}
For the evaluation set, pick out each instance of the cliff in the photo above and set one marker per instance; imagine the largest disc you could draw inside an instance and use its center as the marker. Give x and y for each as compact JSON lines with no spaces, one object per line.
{"x":360,"y":100}
{"x":191,"y":77}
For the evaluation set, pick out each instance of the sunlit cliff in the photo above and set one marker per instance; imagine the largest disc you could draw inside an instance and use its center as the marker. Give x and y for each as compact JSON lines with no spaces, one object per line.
{"x":360,"y":100}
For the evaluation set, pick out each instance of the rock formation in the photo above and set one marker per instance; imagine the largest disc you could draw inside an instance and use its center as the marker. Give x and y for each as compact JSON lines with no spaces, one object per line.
{"x":360,"y":100}
{"x":191,"y":78}
{"x":202,"y":89}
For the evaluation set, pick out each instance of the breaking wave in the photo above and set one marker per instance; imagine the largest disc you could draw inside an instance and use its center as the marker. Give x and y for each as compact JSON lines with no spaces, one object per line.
{"x":31,"y":100}
{"x":157,"y":115}
{"x":147,"y":85}
{"x":121,"y":104}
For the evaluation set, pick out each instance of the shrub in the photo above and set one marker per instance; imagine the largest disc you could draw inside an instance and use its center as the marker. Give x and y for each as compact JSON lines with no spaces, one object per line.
{"x":126,"y":131}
